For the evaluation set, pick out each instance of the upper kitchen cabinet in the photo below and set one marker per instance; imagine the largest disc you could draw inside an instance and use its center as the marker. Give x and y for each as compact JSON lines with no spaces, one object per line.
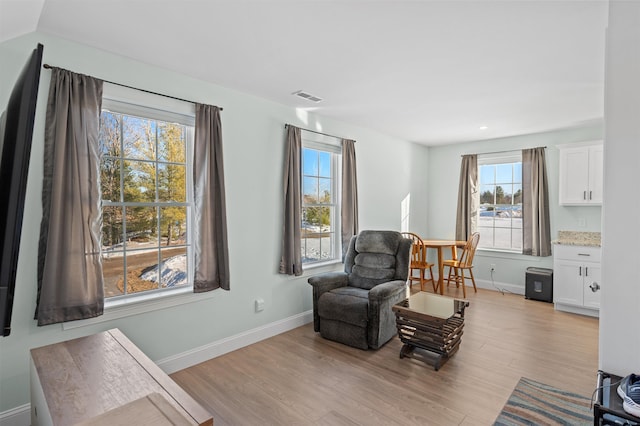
{"x":581,"y":176}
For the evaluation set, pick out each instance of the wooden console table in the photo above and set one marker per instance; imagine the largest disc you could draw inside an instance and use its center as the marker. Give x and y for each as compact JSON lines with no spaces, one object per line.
{"x":430,"y":326}
{"x":102,"y":375}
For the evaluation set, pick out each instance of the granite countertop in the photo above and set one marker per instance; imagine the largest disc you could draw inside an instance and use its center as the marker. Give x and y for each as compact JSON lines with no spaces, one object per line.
{"x":577,"y":238}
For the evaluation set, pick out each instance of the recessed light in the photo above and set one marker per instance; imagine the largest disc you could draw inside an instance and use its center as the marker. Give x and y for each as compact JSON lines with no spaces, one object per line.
{"x":483,"y":127}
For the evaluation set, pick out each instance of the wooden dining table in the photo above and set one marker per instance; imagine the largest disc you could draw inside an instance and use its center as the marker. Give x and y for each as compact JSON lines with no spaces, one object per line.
{"x":439,"y":245}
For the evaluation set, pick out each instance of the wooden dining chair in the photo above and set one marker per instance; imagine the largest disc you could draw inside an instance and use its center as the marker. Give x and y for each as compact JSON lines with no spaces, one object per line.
{"x":457,"y":267}
{"x":419,"y":262}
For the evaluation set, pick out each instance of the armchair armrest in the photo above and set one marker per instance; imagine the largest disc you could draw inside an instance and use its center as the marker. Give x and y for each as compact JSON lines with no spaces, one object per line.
{"x":329,"y":281}
{"x":391,"y":289}
{"x":321,"y":284}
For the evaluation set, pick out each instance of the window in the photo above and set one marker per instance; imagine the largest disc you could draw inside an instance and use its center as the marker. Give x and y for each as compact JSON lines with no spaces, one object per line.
{"x":500,"y":214}
{"x":146,"y":199}
{"x":320,"y":202}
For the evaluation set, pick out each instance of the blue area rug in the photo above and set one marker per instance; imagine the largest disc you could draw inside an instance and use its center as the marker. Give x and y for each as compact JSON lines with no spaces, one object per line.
{"x":534,"y":403}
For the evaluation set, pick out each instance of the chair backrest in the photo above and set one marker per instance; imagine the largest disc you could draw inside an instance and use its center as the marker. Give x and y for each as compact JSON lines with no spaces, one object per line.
{"x":469,"y":251}
{"x":418,"y":249}
{"x":376,"y":257}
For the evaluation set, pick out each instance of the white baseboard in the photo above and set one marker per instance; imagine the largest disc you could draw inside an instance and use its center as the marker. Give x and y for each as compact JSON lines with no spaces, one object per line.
{"x":21,"y":416}
{"x":18,"y":416}
{"x":498,"y":286}
{"x":229,"y":344}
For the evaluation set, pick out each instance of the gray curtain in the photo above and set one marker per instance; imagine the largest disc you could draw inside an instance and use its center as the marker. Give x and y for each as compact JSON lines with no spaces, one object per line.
{"x":468,"y":198}
{"x":211,"y":252}
{"x":536,"y":233}
{"x":291,"y":260}
{"x":70,"y":282}
{"x":349,"y":202}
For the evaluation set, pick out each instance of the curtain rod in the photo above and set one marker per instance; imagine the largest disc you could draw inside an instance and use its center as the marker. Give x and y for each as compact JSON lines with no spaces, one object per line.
{"x":47,"y":66}
{"x":314,"y":131}
{"x":500,"y":152}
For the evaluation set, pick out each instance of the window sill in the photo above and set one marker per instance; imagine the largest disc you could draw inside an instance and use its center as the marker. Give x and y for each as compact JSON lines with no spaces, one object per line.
{"x":506,"y":254}
{"x":318,"y":265}
{"x":136,"y":305}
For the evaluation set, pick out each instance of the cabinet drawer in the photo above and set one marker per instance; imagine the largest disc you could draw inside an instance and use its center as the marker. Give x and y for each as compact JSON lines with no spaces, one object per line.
{"x":577,"y":253}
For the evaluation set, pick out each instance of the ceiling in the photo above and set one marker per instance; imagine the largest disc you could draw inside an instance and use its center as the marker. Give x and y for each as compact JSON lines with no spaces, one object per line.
{"x":432,"y":72}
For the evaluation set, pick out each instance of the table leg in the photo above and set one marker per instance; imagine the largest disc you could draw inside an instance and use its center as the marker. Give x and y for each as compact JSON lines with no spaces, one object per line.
{"x":440,"y":271}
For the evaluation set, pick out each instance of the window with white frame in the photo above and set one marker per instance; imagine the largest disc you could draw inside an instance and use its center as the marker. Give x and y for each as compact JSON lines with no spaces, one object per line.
{"x":146,"y":197}
{"x":500,"y":213}
{"x":320,"y":201}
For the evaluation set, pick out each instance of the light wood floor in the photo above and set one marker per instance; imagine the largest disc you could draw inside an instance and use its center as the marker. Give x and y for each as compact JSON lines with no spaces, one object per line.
{"x":298,"y":378}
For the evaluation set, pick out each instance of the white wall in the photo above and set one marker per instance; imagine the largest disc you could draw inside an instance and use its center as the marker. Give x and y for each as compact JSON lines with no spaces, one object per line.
{"x":443,"y":181}
{"x":253,"y":133}
{"x":620,"y":307}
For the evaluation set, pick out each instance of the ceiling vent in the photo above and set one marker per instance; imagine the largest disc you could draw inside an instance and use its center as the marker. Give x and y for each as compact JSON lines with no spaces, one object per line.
{"x":307,"y":96}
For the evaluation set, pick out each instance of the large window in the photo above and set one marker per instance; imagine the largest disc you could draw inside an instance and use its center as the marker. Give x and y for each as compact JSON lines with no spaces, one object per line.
{"x":500,"y":215}
{"x":320,"y":202}
{"x":146,"y":199}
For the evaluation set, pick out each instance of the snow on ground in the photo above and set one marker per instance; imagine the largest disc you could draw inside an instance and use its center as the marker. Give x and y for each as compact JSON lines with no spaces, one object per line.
{"x":173,"y":272}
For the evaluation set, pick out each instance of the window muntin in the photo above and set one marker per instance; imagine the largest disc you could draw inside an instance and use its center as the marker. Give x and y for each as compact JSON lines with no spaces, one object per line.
{"x":146,"y":202}
{"x":320,"y":231}
{"x":500,"y":213}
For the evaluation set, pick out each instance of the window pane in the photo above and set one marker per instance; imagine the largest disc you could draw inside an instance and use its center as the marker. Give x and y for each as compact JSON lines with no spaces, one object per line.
{"x":517,"y":194}
{"x":324,"y":190}
{"x":173,"y":226}
{"x":310,"y":190}
{"x":504,"y":173}
{"x":171,"y":142}
{"x":325,"y":247}
{"x":110,"y":179}
{"x":110,"y":134}
{"x":487,"y":193}
{"x":112,"y":270}
{"x":174,"y":267}
{"x":142,"y":271}
{"x":142,"y":227}
{"x":507,"y":194}
{"x":172,"y":182}
{"x":502,"y":238}
{"x":486,"y":237}
{"x":310,"y":162}
{"x":487,"y":174}
{"x":139,"y":137}
{"x":516,"y":239}
{"x":517,"y":173}
{"x":325,"y":164}
{"x":112,"y":235}
{"x":139,"y":181}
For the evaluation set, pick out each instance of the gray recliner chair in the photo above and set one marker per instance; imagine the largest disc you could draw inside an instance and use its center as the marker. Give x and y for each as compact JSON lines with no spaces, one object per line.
{"x":354,"y":307}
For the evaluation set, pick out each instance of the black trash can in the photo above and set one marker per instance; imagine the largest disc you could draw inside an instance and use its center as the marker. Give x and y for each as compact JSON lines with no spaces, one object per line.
{"x":539,"y":284}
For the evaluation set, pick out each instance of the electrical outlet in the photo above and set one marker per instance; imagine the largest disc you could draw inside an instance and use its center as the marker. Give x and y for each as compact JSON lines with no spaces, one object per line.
{"x":493,"y":267}
{"x":259,"y":303}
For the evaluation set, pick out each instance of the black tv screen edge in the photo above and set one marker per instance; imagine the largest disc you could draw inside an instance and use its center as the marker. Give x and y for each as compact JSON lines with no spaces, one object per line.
{"x":16,"y":132}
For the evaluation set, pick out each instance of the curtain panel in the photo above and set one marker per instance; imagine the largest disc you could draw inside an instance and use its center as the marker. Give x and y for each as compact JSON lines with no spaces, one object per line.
{"x":211,"y":252}
{"x":349,"y":202}
{"x":468,"y":198}
{"x":70,"y":281}
{"x":536,"y":233}
{"x":291,"y":260}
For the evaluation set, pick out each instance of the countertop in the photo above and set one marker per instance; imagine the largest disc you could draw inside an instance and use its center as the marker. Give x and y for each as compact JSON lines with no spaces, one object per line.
{"x":578,"y":238}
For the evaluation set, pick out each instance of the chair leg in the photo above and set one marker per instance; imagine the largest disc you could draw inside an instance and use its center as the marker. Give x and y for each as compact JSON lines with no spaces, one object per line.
{"x":473,"y":281}
{"x":421,"y":279}
{"x":464,"y":287}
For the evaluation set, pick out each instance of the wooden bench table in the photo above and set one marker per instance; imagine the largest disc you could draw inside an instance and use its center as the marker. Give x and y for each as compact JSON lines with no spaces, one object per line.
{"x":77,"y":380}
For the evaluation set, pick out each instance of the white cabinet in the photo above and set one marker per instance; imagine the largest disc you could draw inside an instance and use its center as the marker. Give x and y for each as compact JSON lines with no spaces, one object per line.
{"x":581,"y":175}
{"x":577,"y":279}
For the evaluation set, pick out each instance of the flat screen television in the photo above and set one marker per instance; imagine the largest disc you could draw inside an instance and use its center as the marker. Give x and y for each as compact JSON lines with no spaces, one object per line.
{"x":16,"y":131}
